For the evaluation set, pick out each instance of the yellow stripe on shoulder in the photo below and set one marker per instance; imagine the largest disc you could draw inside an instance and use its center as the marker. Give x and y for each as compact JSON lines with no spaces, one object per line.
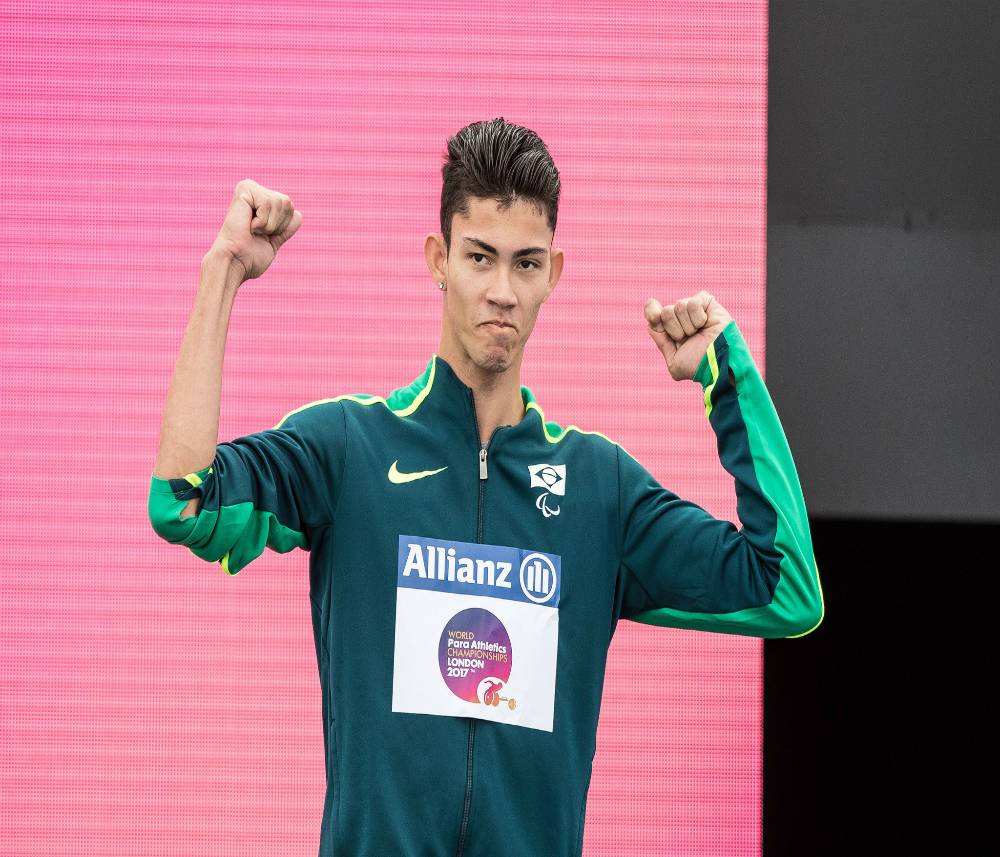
{"x":291,"y":414}
{"x":370,"y":400}
{"x":533,"y":406}
{"x":418,"y":400}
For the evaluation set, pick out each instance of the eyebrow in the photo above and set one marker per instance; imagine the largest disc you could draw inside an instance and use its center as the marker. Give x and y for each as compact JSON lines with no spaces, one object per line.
{"x":527,"y":251}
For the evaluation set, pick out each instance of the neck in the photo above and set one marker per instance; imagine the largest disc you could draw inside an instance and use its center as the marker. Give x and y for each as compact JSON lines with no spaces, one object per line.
{"x":497,"y":394}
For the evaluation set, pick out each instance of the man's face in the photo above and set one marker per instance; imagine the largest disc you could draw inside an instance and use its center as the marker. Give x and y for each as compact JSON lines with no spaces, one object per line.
{"x":497,"y":272}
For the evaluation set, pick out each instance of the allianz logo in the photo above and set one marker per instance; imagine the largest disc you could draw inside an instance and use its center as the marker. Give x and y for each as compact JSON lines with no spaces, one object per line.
{"x":538,"y":577}
{"x":537,"y":574}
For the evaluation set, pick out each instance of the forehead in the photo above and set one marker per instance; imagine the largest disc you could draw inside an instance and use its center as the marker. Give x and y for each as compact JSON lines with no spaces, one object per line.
{"x":520,"y":224}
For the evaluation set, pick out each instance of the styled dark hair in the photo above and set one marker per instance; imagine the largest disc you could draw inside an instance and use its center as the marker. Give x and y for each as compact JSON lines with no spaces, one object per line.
{"x":501,"y":161}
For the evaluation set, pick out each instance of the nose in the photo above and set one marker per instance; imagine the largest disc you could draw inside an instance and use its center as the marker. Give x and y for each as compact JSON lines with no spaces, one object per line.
{"x":501,"y":291}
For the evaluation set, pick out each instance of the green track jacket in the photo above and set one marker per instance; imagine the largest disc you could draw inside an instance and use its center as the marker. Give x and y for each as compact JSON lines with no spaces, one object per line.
{"x":464,"y":599}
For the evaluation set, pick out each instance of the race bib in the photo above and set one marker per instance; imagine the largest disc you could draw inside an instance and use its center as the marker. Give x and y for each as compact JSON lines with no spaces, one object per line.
{"x":477,"y":632}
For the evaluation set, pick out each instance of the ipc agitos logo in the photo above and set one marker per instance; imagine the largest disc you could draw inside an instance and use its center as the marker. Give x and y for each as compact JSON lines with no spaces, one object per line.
{"x":475,"y":657}
{"x":551,"y":477}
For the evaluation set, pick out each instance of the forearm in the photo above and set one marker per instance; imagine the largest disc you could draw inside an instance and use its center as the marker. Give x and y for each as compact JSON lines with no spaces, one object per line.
{"x":190,"y":429}
{"x":760,"y":580}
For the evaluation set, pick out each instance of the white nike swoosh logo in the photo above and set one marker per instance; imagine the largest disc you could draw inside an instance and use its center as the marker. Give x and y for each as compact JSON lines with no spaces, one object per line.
{"x":397,"y":478}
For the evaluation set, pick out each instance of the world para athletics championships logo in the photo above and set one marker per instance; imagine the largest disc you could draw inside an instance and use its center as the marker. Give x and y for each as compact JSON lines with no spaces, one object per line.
{"x":475,"y":656}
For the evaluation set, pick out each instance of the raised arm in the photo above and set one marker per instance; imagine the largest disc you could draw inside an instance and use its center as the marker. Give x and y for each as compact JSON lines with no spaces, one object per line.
{"x":683,"y":567}
{"x":258,"y":222}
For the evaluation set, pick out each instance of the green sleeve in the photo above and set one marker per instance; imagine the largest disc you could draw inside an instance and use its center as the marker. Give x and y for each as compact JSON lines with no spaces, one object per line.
{"x":687,"y":569}
{"x":273,"y":489}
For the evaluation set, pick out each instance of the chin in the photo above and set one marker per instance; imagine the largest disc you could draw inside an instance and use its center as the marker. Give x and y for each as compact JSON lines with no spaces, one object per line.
{"x":496,"y":362}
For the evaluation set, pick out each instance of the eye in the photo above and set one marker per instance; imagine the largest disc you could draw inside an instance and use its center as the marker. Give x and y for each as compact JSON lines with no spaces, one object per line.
{"x":528,"y":265}
{"x":478,"y":258}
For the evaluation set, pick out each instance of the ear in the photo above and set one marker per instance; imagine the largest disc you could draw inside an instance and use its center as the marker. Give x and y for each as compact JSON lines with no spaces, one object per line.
{"x":556,"y":261}
{"x":436,"y":255}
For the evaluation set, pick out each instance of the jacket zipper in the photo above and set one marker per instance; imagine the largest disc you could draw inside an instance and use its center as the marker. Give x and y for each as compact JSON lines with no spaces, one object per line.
{"x":483,"y":474}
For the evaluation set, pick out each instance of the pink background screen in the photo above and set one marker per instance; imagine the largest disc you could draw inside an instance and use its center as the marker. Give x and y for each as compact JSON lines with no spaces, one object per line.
{"x":151,"y":705}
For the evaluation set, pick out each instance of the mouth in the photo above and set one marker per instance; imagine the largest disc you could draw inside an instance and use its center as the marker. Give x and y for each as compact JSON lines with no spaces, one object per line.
{"x":498,"y":324}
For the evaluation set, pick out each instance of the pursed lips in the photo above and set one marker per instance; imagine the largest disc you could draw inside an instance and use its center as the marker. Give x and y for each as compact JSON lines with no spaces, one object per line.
{"x":498,"y":323}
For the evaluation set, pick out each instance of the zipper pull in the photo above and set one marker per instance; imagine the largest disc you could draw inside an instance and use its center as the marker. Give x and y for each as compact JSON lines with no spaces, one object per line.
{"x":482,"y":463}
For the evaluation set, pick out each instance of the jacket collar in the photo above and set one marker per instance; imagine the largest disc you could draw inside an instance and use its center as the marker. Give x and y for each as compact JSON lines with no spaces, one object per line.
{"x":440,"y":389}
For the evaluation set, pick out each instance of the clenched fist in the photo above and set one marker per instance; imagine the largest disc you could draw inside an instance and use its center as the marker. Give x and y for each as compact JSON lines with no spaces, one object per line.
{"x":258,"y":222}
{"x":684,"y":330}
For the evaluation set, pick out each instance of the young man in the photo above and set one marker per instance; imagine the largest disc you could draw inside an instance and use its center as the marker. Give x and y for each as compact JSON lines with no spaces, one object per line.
{"x":462,"y":633}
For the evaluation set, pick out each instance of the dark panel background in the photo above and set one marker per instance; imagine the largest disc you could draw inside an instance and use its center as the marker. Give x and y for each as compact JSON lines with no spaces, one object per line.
{"x":882,"y":306}
{"x":883,"y":254}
